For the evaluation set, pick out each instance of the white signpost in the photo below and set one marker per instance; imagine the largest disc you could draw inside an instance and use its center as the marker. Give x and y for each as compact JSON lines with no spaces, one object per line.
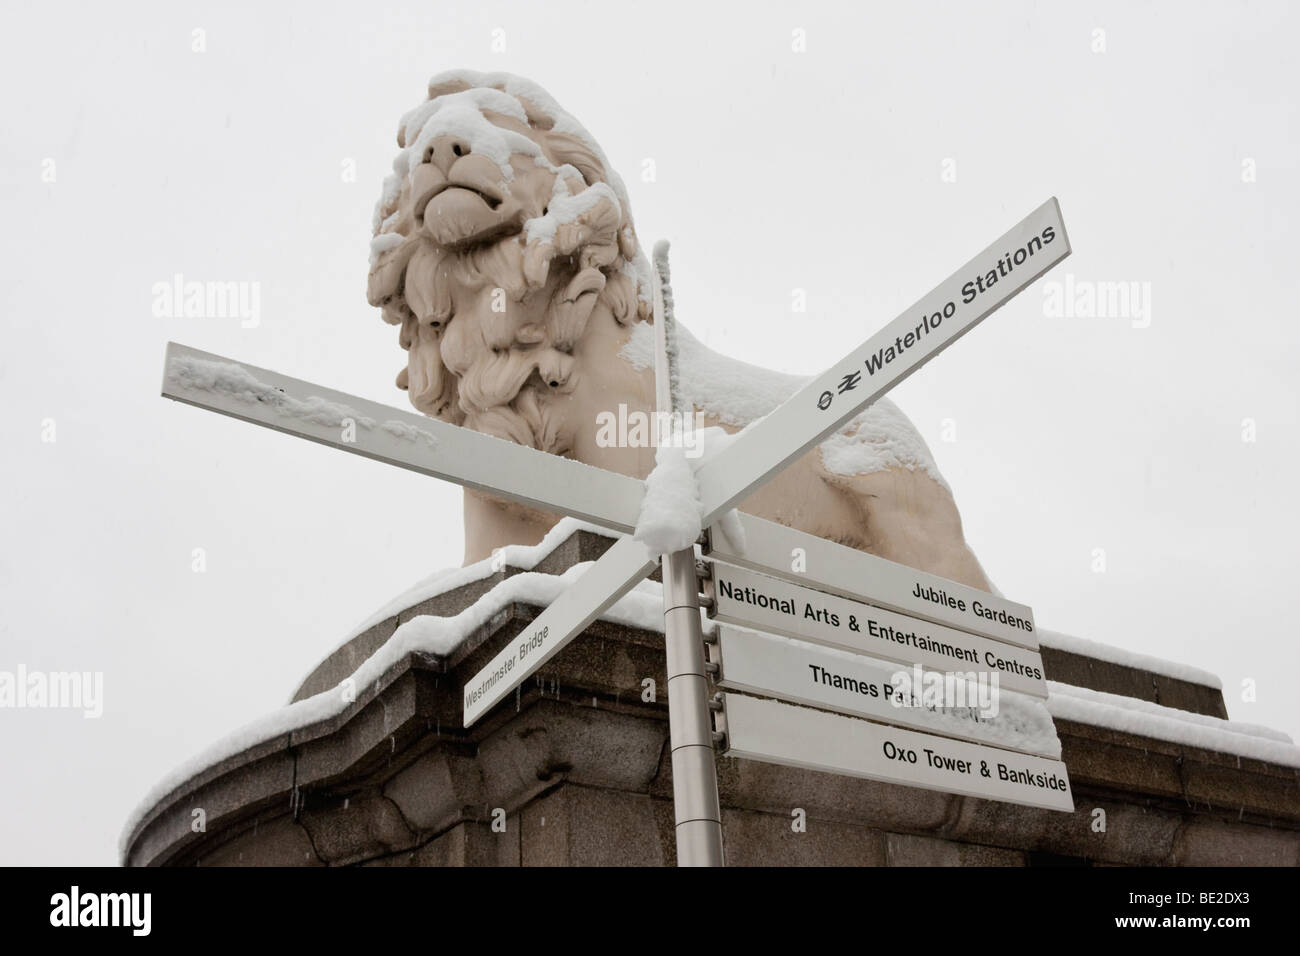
{"x":763,"y":729}
{"x":950,"y":310}
{"x":568,"y":615}
{"x":864,"y":577}
{"x":405,"y":439}
{"x":816,"y":740}
{"x":753,"y":600}
{"x":697,"y":811}
{"x":851,"y":684}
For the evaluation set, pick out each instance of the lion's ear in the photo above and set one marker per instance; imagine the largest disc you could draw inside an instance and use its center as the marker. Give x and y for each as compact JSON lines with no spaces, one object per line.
{"x":627,"y":243}
{"x":619,"y":295}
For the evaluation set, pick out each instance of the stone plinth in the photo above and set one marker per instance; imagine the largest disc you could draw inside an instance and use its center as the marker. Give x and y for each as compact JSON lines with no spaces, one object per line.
{"x":575,"y":770}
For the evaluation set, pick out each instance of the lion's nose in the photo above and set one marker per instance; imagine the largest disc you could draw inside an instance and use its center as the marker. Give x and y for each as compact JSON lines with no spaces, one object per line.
{"x":443,"y":151}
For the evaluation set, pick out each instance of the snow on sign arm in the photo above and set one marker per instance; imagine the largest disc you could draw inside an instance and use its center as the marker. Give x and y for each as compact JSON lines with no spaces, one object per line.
{"x":452,"y":453}
{"x":415,"y":442}
{"x":951,"y":309}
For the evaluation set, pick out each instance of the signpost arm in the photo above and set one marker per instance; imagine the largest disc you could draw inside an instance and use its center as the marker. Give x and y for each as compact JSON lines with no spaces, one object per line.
{"x":887,"y":358}
{"x":408,"y":440}
{"x":690,"y":725}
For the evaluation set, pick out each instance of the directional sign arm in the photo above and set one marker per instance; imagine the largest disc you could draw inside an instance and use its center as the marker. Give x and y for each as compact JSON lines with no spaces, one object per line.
{"x":414,"y":442}
{"x":826,"y":403}
{"x":615,"y":573}
{"x":767,"y":604}
{"x":861,"y":686}
{"x":860,"y":576}
{"x":816,"y":740}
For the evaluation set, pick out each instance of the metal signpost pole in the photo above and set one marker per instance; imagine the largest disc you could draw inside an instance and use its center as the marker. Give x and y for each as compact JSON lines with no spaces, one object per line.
{"x":695,"y":775}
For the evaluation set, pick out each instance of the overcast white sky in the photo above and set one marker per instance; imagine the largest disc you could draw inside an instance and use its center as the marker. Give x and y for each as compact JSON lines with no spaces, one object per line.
{"x":775,"y":170}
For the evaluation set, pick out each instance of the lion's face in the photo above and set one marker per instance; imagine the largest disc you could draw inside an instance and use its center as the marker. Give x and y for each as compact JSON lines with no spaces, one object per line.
{"x":462,"y":198}
{"x":500,"y":236}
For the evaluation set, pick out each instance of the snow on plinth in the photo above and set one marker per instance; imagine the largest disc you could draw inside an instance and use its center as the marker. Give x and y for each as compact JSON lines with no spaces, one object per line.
{"x":1025,"y":723}
{"x":1145,"y":719}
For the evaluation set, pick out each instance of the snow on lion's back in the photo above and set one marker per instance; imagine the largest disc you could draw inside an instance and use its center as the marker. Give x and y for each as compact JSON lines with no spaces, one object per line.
{"x":737,"y":393}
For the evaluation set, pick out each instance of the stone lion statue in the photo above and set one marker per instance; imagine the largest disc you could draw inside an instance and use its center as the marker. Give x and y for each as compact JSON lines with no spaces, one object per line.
{"x":505,"y":253}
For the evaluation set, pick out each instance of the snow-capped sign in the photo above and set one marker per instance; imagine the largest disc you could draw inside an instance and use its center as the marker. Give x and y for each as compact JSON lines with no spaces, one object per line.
{"x":860,"y":686}
{"x":617,"y":572}
{"x":950,"y":310}
{"x":557,"y":484}
{"x":405,"y":439}
{"x":767,"y":547}
{"x":774,"y":732}
{"x":754,"y":600}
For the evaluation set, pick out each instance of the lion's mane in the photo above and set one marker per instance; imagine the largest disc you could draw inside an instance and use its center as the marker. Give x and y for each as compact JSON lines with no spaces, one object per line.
{"x":491,"y":328}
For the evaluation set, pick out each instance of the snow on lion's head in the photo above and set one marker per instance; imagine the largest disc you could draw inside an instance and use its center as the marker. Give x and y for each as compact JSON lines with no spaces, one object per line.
{"x":499,"y":233}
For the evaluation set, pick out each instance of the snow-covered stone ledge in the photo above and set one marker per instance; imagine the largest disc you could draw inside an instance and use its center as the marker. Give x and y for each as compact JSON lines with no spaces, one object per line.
{"x":415,"y":651}
{"x":444,"y":595}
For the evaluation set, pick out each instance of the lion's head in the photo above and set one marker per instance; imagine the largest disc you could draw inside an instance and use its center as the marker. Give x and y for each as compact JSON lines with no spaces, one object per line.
{"x":500,"y":233}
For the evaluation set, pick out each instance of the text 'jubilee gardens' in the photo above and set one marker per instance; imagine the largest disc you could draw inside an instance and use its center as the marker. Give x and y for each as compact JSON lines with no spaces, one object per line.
{"x":872,"y":628}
